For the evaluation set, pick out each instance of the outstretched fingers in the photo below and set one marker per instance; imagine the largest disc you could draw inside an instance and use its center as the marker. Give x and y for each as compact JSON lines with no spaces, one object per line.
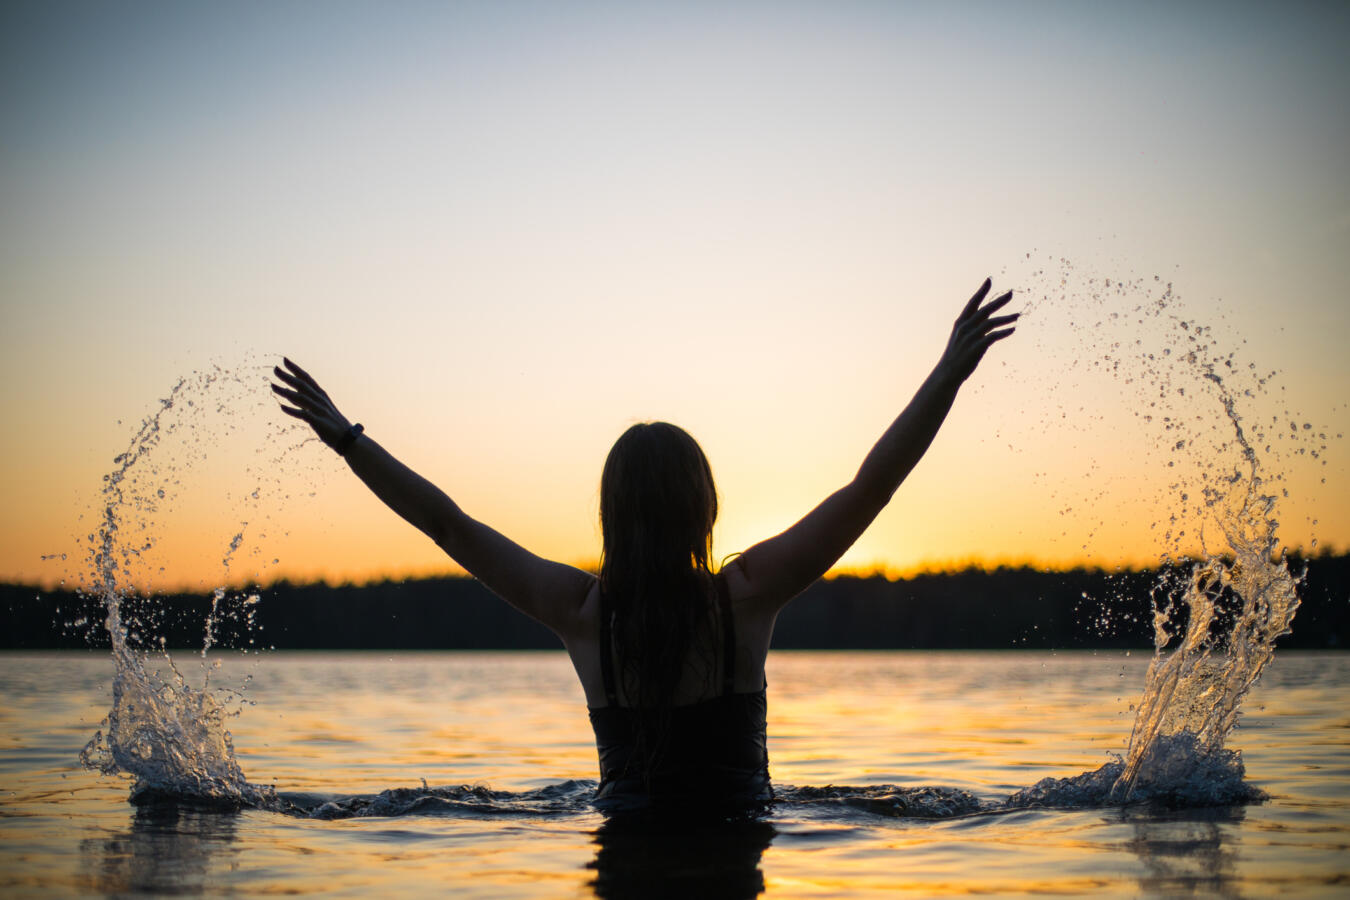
{"x":987,"y":331}
{"x":1000,"y":321}
{"x":295,"y":381}
{"x":307,"y":407}
{"x":977,"y":318}
{"x":302,"y":376}
{"x":306,"y":392}
{"x":996,"y":304}
{"x":301,"y":398}
{"x":983,"y":320}
{"x":993,"y":336}
{"x":976,"y":299}
{"x":297,"y":413}
{"x":296,"y":397}
{"x":976,"y":329}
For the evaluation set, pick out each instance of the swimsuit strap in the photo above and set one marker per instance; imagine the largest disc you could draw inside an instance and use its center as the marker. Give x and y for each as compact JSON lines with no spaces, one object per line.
{"x":728,"y":637}
{"x":606,"y":650}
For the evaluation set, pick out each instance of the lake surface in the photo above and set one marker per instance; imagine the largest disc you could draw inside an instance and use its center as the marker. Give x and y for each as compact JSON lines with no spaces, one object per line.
{"x":335,"y":726}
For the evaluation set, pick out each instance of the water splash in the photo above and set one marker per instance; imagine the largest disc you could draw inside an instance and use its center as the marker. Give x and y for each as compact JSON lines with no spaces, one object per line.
{"x":170,"y":736}
{"x":1216,"y":617}
{"x":1193,"y":693}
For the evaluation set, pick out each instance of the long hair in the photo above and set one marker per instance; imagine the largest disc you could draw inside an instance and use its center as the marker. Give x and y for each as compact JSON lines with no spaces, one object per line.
{"x":658,"y":504}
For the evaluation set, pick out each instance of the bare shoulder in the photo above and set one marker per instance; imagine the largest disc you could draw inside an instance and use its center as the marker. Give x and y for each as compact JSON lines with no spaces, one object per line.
{"x":582,"y":641}
{"x":580,"y":608}
{"x":754,"y":620}
{"x":753,"y":585}
{"x":748,"y":602}
{"x":588,"y":613}
{"x":738,"y":585}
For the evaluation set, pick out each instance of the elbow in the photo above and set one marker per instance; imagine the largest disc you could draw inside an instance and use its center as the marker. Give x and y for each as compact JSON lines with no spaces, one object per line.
{"x":449,"y":544}
{"x":455,"y":533}
{"x":441,"y":533}
{"x":869,"y":495}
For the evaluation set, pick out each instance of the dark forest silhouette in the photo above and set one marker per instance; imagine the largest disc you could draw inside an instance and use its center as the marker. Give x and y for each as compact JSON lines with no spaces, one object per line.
{"x":1005,"y":608}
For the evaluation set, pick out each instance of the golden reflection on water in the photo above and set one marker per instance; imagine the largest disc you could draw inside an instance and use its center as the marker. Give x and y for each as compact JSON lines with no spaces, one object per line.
{"x":989,"y":723}
{"x":1191,"y":853}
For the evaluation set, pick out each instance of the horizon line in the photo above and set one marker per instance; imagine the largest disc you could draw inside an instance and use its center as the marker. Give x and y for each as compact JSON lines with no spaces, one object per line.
{"x":875,"y":570}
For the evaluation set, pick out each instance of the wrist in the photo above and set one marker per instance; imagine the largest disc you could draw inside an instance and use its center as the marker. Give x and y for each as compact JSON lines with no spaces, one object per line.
{"x":348,"y":438}
{"x":946,"y":377}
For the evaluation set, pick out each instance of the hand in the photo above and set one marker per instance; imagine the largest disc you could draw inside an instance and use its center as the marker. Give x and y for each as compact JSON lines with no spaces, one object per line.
{"x":975,"y":330}
{"x":313,"y":404}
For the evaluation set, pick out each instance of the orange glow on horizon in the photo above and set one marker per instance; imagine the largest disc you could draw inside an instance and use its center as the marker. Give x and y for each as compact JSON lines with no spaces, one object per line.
{"x":336,"y":578}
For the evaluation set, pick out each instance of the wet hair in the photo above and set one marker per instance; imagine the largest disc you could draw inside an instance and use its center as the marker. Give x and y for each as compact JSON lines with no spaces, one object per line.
{"x":658,"y":504}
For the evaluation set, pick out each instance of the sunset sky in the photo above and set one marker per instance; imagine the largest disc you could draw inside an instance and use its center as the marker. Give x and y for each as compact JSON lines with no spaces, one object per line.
{"x":500,"y":233}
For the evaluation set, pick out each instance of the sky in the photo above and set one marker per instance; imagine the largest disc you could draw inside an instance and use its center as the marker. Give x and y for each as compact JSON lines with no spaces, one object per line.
{"x":500,"y":233}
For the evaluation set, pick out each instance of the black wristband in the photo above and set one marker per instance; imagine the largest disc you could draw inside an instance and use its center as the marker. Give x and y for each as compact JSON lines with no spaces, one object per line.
{"x":348,"y":438}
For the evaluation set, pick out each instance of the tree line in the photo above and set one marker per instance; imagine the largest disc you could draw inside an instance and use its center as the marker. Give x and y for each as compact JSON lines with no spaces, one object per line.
{"x":1003,"y":608}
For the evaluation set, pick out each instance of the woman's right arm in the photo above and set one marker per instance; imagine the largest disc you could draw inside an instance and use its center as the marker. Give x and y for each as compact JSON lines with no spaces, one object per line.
{"x":547,"y":591}
{"x":774,"y":571}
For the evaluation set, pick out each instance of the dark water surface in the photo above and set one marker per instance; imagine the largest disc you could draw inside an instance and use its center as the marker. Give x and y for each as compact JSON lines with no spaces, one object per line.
{"x":504,"y":747}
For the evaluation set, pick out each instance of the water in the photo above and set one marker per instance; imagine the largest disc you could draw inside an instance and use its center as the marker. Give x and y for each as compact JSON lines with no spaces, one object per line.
{"x":334,"y":726}
{"x":168,"y":733}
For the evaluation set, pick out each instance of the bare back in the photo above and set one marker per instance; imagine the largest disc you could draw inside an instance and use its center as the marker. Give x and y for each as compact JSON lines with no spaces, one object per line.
{"x":753,"y":631}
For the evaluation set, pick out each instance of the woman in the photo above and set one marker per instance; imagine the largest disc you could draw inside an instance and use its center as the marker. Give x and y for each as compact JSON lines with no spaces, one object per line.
{"x":670,"y":654}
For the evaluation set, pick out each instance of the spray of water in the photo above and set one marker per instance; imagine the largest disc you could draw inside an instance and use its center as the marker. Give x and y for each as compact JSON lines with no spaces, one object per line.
{"x":1194,"y":690}
{"x":170,"y":735}
{"x":1219,"y":609}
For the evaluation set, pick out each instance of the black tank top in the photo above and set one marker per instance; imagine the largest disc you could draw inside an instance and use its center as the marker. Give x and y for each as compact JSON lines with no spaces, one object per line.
{"x":714,"y":757}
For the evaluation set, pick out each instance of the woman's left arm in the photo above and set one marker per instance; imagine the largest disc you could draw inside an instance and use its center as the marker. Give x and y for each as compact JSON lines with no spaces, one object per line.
{"x":547,"y":591}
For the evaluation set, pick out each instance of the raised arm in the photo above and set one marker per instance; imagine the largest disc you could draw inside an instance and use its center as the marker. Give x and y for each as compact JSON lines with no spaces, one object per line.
{"x":774,"y":571}
{"x":547,"y":591}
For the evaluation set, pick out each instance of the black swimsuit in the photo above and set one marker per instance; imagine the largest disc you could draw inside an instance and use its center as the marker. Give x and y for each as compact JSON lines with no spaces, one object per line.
{"x":714,"y":757}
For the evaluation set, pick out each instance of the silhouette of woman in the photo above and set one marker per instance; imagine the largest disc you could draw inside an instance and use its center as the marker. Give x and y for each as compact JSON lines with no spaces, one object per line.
{"x":670,"y":653}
